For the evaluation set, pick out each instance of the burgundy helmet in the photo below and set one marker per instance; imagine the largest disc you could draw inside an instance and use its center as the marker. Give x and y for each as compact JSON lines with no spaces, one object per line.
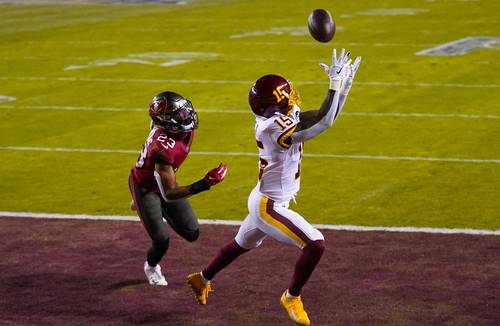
{"x":271,"y":94}
{"x":173,"y":112}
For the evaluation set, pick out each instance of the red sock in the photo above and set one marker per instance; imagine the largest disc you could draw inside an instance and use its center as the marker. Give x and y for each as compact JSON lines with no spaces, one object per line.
{"x":311,"y":254}
{"x":224,"y":257}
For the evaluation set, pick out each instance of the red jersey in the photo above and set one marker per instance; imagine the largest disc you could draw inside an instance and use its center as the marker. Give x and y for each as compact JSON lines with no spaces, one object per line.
{"x":160,"y":148}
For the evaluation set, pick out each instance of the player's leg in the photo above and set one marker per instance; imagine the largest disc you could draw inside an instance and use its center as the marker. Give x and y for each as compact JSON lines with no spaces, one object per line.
{"x":289,"y":227}
{"x":180,"y":216}
{"x":148,"y":207}
{"x":305,"y":265}
{"x":248,"y":237}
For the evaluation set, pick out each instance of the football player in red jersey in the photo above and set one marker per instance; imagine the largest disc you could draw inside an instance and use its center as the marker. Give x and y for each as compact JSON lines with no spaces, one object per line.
{"x":156,"y":195}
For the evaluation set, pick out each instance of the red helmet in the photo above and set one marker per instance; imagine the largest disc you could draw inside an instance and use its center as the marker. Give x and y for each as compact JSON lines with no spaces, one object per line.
{"x":173,"y":112}
{"x":271,"y":94}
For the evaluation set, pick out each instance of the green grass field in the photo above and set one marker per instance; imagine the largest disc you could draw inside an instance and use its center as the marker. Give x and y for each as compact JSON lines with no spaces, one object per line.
{"x":115,"y":54}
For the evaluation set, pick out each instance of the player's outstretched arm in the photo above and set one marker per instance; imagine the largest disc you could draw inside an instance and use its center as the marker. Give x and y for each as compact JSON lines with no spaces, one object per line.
{"x":314,"y":122}
{"x":165,"y":177}
{"x":347,"y":84}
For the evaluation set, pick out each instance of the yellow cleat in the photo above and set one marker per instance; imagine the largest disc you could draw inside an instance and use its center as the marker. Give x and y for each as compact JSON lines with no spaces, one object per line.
{"x":199,"y":288}
{"x":295,"y":310}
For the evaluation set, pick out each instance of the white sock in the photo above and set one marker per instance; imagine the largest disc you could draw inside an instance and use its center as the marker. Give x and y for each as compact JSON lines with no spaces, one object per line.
{"x":289,"y":296}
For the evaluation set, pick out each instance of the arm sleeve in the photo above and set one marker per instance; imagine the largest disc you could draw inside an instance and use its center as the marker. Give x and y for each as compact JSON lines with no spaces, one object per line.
{"x":342,"y":99}
{"x":323,"y":124}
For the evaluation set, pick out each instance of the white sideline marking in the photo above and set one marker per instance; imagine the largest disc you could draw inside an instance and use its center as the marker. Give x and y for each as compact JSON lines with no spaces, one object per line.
{"x":242,"y":82}
{"x":355,"y":228}
{"x":242,"y":111}
{"x":368,"y":157}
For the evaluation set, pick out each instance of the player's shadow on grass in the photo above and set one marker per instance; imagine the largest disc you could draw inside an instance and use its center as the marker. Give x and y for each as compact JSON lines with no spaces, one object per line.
{"x":126,"y":283}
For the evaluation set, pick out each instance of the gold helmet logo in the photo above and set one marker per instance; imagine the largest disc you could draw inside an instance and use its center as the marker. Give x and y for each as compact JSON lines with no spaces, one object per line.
{"x":293,"y":97}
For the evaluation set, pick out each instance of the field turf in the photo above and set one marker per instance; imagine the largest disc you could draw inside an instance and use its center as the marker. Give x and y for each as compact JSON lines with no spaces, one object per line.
{"x":418,"y":143}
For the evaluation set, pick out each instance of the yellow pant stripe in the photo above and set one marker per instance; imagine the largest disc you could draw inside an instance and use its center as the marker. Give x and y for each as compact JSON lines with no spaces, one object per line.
{"x":277,"y":224}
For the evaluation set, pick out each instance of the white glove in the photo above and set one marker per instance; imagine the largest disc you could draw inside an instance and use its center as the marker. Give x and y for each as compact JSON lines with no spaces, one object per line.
{"x":351,"y":72}
{"x":336,"y":72}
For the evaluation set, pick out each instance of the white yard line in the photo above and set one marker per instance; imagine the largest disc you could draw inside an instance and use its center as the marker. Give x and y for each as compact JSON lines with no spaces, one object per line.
{"x":242,"y":82}
{"x":355,"y":228}
{"x":247,"y":111}
{"x":247,"y":43}
{"x":70,"y":108}
{"x":372,"y":193}
{"x":244,"y":59}
{"x":423,"y":115}
{"x":68,"y":150}
{"x":339,"y":156}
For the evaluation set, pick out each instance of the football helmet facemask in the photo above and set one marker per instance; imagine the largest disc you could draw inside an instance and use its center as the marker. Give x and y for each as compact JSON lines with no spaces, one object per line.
{"x":271,"y":94}
{"x":173,"y":112}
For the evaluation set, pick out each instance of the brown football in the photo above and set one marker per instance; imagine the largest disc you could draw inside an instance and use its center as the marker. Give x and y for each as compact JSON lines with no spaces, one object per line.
{"x":321,"y":25}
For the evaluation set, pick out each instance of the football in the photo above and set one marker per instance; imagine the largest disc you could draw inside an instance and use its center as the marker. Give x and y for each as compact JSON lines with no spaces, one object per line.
{"x":321,"y":25}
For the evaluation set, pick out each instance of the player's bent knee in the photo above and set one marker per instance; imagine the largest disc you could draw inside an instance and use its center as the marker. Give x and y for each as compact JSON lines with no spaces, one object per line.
{"x":317,"y":247}
{"x":192,"y":236}
{"x":318,"y":235}
{"x":247,"y":244}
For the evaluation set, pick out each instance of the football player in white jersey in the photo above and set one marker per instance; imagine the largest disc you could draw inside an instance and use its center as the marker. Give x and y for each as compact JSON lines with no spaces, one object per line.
{"x":280,"y":130}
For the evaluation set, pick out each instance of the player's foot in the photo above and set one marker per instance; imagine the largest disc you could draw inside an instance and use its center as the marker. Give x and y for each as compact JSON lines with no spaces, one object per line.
{"x":200,"y":288}
{"x":295,"y":309}
{"x":154,"y":275}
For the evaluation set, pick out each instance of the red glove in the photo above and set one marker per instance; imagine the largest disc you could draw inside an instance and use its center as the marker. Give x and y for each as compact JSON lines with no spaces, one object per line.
{"x":216,"y":175}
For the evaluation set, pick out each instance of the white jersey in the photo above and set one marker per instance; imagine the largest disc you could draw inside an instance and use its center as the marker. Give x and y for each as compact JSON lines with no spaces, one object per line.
{"x":279,"y":164}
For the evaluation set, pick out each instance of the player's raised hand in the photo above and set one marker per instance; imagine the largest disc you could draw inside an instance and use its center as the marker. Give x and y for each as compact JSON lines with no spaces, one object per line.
{"x":337,"y":63}
{"x":355,"y":66}
{"x":216,"y":175}
{"x":336,"y":71}
{"x":350,"y":71}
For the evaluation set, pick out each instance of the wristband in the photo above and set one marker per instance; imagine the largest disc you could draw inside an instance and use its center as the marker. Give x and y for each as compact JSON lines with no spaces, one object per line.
{"x":199,"y":186}
{"x":335,"y":84}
